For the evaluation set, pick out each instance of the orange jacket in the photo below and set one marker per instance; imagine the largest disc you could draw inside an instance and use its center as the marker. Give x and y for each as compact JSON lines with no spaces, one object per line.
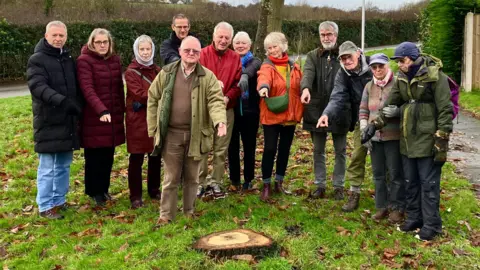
{"x":269,"y":77}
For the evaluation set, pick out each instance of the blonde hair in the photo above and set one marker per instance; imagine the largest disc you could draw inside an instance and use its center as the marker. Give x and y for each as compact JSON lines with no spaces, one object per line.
{"x":275,"y":38}
{"x":91,"y":40}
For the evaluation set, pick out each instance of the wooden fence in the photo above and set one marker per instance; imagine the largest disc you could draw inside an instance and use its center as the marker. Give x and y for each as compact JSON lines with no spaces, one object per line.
{"x":471,"y":53}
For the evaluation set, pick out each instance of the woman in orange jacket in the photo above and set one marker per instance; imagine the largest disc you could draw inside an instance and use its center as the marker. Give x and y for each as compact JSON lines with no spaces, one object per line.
{"x":279,"y":114}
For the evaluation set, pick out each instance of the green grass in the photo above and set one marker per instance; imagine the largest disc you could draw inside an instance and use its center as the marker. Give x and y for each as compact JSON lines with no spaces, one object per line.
{"x":470,"y":101}
{"x":121,"y":238}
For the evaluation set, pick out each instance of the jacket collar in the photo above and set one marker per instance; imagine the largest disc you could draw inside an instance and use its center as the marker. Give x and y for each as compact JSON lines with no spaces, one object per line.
{"x":173,"y":68}
{"x":322,"y":51}
{"x":428,"y":71}
{"x":364,"y":68}
{"x":44,"y":47}
{"x":291,"y":63}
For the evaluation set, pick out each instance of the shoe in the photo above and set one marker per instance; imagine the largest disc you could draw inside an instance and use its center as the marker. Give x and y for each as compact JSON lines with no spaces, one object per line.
{"x":352,"y":203}
{"x":62,"y":207}
{"x":200,"y":191}
{"x":100,"y":200}
{"x":234,"y":188}
{"x":395,"y":217}
{"x":107,"y":197}
{"x":381,"y":213}
{"x":51,"y":214}
{"x":409,"y":226}
{"x":426,"y":234}
{"x":319,"y":193}
{"x":338,"y":193}
{"x":162,"y":222}
{"x":247,"y":186}
{"x":266,"y":190}
{"x":157,"y":196}
{"x":217,"y":192}
{"x":279,"y":189}
{"x":137,"y":204}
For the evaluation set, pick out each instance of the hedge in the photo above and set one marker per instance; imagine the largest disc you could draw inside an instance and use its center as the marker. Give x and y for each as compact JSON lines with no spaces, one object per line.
{"x":18,"y":42}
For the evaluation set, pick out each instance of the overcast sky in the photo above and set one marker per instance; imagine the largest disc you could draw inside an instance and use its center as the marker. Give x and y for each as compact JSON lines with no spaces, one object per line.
{"x":341,"y":4}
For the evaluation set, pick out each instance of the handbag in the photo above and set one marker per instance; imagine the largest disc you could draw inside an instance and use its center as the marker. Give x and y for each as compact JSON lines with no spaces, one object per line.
{"x":279,"y":104}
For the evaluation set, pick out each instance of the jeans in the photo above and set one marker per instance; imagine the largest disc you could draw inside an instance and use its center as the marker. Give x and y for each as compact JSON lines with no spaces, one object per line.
{"x":53,"y":177}
{"x":340,"y":144}
{"x":271,"y":145}
{"x":386,"y":157}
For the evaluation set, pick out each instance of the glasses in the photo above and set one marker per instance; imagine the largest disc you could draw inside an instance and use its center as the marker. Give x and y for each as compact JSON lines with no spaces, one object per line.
{"x":327,"y":35}
{"x":98,"y":42}
{"x":379,"y":66}
{"x":188,"y":51}
{"x":182,"y":26}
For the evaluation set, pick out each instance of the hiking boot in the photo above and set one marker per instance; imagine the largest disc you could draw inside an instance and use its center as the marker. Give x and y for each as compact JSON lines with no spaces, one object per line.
{"x":381,"y":213}
{"x":426,"y":234}
{"x":61,"y":207}
{"x":247,"y":186}
{"x":352,"y":203}
{"x":107,"y":197}
{"x":234,"y":188}
{"x":51,"y":214}
{"x":217,"y":192}
{"x":200,"y":191}
{"x":162,"y":222}
{"x":319,"y":193}
{"x":100,"y":200}
{"x":279,"y":189}
{"x":409,"y":226}
{"x":137,"y":204}
{"x":395,"y":217}
{"x":157,"y":196}
{"x":338,"y":193}
{"x":266,"y":190}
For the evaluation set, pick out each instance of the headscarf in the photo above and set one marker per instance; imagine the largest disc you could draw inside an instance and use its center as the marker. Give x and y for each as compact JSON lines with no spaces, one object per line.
{"x":137,"y":54}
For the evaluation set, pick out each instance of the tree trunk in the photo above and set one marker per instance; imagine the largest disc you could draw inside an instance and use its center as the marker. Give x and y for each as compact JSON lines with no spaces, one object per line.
{"x":265,"y":10}
{"x":275,"y":18}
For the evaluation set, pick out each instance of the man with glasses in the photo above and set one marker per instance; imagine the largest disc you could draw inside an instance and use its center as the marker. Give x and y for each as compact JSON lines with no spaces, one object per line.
{"x":346,"y":96}
{"x":169,"y":48}
{"x":226,"y":65}
{"x":185,"y":103}
{"x":422,"y":92}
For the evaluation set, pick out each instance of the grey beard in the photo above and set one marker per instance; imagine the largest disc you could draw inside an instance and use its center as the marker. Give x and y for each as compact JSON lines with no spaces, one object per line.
{"x":328,"y":46}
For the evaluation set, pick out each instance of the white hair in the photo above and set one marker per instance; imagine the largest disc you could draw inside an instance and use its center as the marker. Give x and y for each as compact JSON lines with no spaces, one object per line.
{"x":275,"y":38}
{"x":144,"y":38}
{"x":242,"y":36}
{"x":327,"y":25}
{"x":223,"y":25}
{"x":188,"y":38}
{"x":55,"y":23}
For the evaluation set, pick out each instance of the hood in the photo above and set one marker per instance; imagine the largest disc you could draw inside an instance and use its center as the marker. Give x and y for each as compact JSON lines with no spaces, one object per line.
{"x":364,"y":66}
{"x":43,"y":47}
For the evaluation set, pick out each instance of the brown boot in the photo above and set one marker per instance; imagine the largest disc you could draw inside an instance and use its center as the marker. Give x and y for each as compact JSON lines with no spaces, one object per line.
{"x":352,"y":203}
{"x":395,"y":217}
{"x":51,"y":214}
{"x":266,"y":190}
{"x":279,"y":189}
{"x":380,"y":214}
{"x":319,"y":193}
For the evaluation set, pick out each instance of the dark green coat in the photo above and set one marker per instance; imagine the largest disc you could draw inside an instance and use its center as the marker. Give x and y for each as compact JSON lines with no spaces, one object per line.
{"x":319,"y":73}
{"x":425,"y":105}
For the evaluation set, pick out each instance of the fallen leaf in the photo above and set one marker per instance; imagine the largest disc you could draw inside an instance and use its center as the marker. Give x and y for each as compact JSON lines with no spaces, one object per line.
{"x":391,"y":263}
{"x":409,"y":263}
{"x":300,"y":192}
{"x":283,"y":252}
{"x":3,"y":252}
{"x":338,"y":256}
{"x":390,"y":253}
{"x":244,"y":257}
{"x":79,"y":248}
{"x":463,"y":222}
{"x":57,"y":267}
{"x":28,"y":208}
{"x":342,"y":231}
{"x":240,"y":222}
{"x":283,"y":207}
{"x":123,"y":247}
{"x":459,"y":252}
{"x":126,"y":258}
{"x":321,"y":253}
{"x":77,"y":182}
{"x":475,"y":239}
{"x":43,"y":253}
{"x":89,"y":232}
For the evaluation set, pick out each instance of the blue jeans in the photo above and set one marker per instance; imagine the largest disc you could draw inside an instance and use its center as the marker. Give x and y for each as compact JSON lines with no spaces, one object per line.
{"x":53,"y":177}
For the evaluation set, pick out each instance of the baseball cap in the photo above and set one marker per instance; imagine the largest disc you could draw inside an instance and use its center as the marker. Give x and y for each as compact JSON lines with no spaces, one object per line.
{"x":347,"y":47}
{"x":406,"y":49}
{"x":378,"y":58}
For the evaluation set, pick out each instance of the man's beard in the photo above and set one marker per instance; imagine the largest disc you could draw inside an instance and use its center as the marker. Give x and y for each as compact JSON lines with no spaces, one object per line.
{"x":328,"y":46}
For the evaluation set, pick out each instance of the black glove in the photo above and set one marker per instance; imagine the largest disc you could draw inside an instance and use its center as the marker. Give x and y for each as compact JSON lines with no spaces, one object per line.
{"x":71,"y":106}
{"x":368,"y":133}
{"x":137,"y":106}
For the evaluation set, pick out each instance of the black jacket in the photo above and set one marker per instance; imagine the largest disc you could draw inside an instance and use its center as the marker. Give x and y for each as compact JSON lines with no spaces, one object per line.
{"x":169,"y":48}
{"x":251,"y":105}
{"x":319,"y":73}
{"x":347,"y":93}
{"x":51,"y":79}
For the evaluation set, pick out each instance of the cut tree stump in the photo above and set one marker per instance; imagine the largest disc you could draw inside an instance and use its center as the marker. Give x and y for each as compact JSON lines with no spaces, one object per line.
{"x":235,"y":242}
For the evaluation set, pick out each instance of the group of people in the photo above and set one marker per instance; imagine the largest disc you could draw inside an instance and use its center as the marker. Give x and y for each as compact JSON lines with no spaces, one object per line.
{"x":207,"y":100}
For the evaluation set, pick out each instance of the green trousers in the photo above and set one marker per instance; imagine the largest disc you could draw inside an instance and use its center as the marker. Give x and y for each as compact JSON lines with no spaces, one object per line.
{"x":356,"y":168}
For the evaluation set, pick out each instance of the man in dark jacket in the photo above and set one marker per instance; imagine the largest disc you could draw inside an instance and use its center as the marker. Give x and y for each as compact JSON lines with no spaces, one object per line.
{"x":423,"y":94}
{"x":169,"y":48}
{"x":346,"y":96}
{"x":319,"y":73}
{"x":56,"y":103}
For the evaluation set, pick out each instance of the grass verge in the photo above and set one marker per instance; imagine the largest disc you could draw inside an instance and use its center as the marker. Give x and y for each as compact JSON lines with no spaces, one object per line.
{"x":470,"y":101}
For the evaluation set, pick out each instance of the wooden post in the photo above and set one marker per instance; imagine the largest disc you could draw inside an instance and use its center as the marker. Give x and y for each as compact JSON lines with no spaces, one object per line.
{"x":467,"y":66}
{"x":476,"y":52}
{"x":275,"y":17}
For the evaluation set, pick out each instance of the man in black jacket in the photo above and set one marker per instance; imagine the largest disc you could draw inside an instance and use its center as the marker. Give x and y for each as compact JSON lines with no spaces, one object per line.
{"x":169,"y":48}
{"x":56,"y":106}
{"x":346,"y":96}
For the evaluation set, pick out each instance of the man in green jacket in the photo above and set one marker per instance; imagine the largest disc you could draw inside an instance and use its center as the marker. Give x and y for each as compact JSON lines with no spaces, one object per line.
{"x":423,"y":95}
{"x":183,"y":102}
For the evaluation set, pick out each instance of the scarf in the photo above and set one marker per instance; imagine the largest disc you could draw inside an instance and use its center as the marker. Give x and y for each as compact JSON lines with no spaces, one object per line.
{"x":279,"y":61}
{"x":385,"y":81}
{"x":246,"y":59}
{"x":413,"y":69}
{"x":142,"y":62}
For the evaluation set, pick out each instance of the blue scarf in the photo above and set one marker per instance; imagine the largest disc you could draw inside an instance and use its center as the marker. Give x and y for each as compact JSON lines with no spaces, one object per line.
{"x":246,"y":59}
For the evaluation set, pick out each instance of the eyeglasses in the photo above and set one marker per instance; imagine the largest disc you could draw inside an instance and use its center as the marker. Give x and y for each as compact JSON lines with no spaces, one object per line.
{"x":98,"y":42}
{"x":188,"y":51}
{"x":379,"y":66}
{"x":327,"y":35}
{"x":182,"y":26}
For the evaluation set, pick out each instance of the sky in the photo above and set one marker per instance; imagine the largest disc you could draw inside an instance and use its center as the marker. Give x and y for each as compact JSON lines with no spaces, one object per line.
{"x":341,"y":4}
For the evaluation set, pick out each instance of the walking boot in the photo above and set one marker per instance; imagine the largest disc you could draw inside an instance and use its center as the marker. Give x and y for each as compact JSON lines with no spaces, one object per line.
{"x":279,"y":189}
{"x":338,"y":193}
{"x":319,"y":193}
{"x":266,"y":190}
{"x":352,"y":203}
{"x":380,"y":214}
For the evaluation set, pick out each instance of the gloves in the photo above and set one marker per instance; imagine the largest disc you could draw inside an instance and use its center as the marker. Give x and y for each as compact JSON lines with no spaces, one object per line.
{"x":71,"y":106}
{"x":368,"y":133}
{"x":243,"y":83}
{"x":391,"y":111}
{"x":263,"y":92}
{"x":137,"y":106}
{"x":363,"y":124}
{"x":368,"y":145}
{"x":441,"y":146}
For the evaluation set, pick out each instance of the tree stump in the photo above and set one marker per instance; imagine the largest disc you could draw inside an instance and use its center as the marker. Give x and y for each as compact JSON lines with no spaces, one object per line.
{"x":235,"y":242}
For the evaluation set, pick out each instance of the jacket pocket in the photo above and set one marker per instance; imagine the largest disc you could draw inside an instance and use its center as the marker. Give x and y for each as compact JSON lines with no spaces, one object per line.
{"x":206,"y":142}
{"x":426,"y":121}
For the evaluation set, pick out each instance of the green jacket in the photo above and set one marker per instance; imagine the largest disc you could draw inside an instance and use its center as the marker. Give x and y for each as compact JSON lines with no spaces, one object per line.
{"x":425,"y":107}
{"x":208,"y":108}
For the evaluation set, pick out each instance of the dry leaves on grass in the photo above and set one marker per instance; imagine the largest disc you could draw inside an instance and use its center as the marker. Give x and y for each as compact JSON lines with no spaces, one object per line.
{"x":18,"y":228}
{"x":475,"y":238}
{"x":321,"y":252}
{"x":342,"y":231}
{"x":240,"y":222}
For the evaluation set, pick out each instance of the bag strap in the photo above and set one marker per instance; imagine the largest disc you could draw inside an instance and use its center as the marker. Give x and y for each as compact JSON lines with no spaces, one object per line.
{"x":288,"y":78}
{"x":141,"y":75}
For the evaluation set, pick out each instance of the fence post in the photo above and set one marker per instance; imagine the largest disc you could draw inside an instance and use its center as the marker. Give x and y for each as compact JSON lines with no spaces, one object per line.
{"x":468,"y":53}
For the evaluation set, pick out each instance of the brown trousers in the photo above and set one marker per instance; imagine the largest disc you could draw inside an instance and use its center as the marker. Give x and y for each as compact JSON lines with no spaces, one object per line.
{"x":176,"y":161}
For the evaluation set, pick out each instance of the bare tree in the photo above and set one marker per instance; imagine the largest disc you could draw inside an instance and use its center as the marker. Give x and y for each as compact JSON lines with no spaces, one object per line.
{"x":275,"y":17}
{"x":265,"y":9}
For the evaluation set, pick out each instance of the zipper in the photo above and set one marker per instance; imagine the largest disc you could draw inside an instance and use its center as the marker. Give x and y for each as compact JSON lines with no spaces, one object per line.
{"x":72,"y":121}
{"x":111,"y":103}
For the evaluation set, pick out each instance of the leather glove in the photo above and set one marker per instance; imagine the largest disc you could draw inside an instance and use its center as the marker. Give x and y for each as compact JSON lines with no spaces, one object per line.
{"x":243,"y":83}
{"x":363,"y":124}
{"x":263,"y":92}
{"x":368,"y":133}
{"x":71,"y":106}
{"x":136,"y":106}
{"x":441,"y":146}
{"x":391,"y":111}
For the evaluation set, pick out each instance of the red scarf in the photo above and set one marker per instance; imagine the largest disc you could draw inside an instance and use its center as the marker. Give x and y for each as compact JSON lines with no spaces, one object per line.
{"x":279,"y":61}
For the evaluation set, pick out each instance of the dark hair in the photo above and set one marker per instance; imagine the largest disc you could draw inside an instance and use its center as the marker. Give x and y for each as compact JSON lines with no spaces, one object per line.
{"x":180,"y":16}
